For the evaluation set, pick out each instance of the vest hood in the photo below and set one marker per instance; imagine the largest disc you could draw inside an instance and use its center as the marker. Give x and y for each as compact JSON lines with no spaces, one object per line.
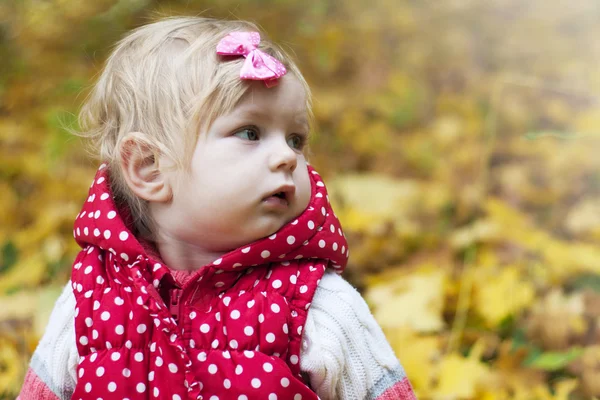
{"x":316,"y":233}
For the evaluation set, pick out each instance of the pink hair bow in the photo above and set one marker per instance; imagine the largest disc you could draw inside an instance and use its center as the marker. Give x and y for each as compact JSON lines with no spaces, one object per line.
{"x":258,"y":65}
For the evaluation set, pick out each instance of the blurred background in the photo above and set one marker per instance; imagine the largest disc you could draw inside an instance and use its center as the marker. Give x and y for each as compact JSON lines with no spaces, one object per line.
{"x":460,"y":143}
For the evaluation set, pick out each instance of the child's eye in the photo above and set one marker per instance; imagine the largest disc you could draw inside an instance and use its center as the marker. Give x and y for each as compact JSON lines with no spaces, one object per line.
{"x":247,"y":134}
{"x":296,"y":142}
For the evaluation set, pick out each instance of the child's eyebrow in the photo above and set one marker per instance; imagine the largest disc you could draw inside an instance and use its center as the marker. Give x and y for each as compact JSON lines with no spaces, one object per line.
{"x":299,"y":118}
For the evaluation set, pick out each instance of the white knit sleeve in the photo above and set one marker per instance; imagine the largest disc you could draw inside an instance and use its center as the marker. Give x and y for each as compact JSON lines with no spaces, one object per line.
{"x":344,"y":352}
{"x":55,"y":358}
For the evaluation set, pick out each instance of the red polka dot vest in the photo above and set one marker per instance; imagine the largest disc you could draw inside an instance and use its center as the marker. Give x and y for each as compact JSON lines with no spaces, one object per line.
{"x":233,"y":331}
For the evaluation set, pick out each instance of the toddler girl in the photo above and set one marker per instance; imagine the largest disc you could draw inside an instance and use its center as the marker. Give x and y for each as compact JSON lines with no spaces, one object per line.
{"x":210,"y":254}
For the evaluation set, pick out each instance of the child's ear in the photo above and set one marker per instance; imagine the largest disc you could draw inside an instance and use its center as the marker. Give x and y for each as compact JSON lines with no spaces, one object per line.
{"x":141,"y":170}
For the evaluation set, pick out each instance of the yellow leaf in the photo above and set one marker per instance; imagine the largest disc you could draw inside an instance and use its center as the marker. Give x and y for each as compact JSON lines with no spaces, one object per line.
{"x":366,"y":201}
{"x":27,"y":272}
{"x":10,"y":374}
{"x":499,"y":294}
{"x":417,"y":353}
{"x":461,"y":377}
{"x":415,"y":301}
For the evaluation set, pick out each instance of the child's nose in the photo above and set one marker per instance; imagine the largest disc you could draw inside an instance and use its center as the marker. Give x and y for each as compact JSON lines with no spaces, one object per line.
{"x":283,"y":157}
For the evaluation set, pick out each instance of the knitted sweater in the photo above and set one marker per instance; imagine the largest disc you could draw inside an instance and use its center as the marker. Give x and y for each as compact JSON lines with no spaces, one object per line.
{"x":344,"y":353}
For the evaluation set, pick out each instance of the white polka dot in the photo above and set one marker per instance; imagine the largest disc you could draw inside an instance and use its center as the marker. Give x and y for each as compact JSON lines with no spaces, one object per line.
{"x":201,"y":356}
{"x":298,"y":397}
{"x":151,"y":376}
{"x":93,"y":357}
{"x":270,"y":337}
{"x":265,"y":253}
{"x":322,"y":243}
{"x":242,"y":397}
{"x":115,"y":356}
{"x":239,"y":370}
{"x":303,"y":289}
{"x":272,"y":396}
{"x":88,"y":269}
{"x":294,"y":359}
{"x":233,"y":344}
{"x":249,"y":331}
{"x":255,"y":383}
{"x":172,"y":368}
{"x":141,"y":328}
{"x":104,"y":196}
{"x":126,"y":372}
{"x":276,"y":284}
{"x":268,"y":367}
{"x":141,"y":388}
{"x":249,"y":354}
{"x":235,"y":314}
{"x":291,"y":239}
{"x":176,"y":397}
{"x":285,"y":382}
{"x":261,"y":318}
{"x":105,"y":316}
{"x":119,"y":301}
{"x":107,"y":234}
{"x":159,"y":361}
{"x":119,"y":329}
{"x":111,"y":214}
{"x":83,"y":340}
{"x":275,"y":308}
{"x":227,"y":384}
{"x":204,"y":328}
{"x":217,"y":261}
{"x":124,"y":256}
{"x":215,"y":343}
{"x":335,"y":246}
{"x":226,"y":300}
{"x":250,"y":304}
{"x":89,"y":322}
{"x":156,"y":392}
{"x":112,"y":387}
{"x":139,"y":357}
{"x":100,"y":371}
{"x":212,"y":368}
{"x":81,"y":371}
{"x":285,"y":328}
{"x":88,"y":387}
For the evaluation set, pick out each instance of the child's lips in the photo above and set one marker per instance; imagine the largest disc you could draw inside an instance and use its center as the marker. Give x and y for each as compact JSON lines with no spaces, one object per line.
{"x":276,"y":202}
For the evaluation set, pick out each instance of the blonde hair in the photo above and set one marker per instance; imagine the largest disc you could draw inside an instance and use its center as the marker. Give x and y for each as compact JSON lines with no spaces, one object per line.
{"x":165,"y":82}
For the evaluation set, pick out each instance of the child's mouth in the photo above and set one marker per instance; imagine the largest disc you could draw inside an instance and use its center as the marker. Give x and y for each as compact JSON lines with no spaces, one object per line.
{"x":281,"y":198}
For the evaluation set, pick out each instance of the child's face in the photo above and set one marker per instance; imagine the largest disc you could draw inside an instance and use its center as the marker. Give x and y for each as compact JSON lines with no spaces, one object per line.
{"x":248,"y":172}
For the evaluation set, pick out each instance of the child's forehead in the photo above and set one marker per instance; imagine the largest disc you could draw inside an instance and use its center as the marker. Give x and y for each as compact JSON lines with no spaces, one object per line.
{"x":288,"y":96}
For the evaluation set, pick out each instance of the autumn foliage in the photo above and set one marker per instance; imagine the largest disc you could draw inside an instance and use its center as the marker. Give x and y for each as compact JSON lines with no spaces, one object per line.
{"x":460,"y":143}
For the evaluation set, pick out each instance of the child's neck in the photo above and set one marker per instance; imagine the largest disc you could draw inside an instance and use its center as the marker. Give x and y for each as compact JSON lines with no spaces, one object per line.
{"x":183,"y":256}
